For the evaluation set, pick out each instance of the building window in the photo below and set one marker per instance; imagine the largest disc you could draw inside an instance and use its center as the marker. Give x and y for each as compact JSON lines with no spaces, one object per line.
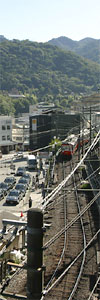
{"x":8,"y":137}
{"x":8,"y":127}
{"x":3,"y":138}
{"x":18,"y":138}
{"x":3,"y":127}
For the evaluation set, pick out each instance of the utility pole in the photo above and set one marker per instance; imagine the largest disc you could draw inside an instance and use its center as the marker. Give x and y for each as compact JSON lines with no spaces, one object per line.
{"x":90,"y":124}
{"x":83,"y":131}
{"x":23,"y":136}
{"x":79,"y":143}
{"x":56,"y":126}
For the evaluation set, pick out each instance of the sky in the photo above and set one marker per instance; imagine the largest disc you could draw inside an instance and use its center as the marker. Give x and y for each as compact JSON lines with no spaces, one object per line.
{"x":42,"y":20}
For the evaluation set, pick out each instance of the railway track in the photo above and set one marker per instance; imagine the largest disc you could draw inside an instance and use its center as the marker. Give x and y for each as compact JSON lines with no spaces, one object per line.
{"x":61,"y":256}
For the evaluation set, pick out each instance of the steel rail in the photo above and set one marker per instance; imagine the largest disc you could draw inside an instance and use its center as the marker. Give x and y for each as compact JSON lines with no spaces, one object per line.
{"x":48,"y":198}
{"x":88,"y":177}
{"x":94,"y":288}
{"x":49,"y":243}
{"x":84,"y":254}
{"x":72,"y":263}
{"x":63,"y":250}
{"x":94,"y":178}
{"x":84,"y":243}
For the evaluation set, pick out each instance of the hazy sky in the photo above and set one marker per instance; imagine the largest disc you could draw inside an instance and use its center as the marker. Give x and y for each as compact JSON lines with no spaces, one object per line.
{"x":42,"y":20}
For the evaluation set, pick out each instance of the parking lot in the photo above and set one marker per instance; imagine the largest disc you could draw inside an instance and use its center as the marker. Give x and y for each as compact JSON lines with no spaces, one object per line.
{"x":8,"y":168}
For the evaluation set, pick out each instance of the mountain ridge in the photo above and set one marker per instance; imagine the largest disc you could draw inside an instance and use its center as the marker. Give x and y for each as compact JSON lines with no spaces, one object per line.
{"x":43,"y":72}
{"x":87,"y":47}
{"x":26,"y":64}
{"x":2,"y":38}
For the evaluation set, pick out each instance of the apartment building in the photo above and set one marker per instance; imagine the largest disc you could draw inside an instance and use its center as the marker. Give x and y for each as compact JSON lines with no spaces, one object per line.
{"x":6,"y":143}
{"x":20,"y":133}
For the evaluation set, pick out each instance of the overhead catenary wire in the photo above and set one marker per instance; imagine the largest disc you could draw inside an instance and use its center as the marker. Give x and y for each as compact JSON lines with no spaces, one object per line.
{"x":84,"y":243}
{"x":95,"y":286}
{"x":92,"y":145}
{"x":72,"y":263}
{"x":50,"y":197}
{"x":84,"y":255}
{"x":63,"y":251}
{"x":58,"y":234}
{"x":81,"y":181}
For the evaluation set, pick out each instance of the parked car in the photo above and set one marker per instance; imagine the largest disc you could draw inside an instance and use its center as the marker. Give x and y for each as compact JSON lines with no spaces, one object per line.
{"x":20,"y":171}
{"x":27,"y":176}
{"x":19,"y":154}
{"x":14,"y":197}
{"x":11,"y":181}
{"x":24,"y":181}
{"x":1,"y":194}
{"x":21,"y":187}
{"x":5,"y":187}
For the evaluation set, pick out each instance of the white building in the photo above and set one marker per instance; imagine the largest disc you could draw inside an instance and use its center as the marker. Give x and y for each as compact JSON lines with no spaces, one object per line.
{"x":20,"y":133}
{"x":14,"y":134}
{"x":6,"y":143}
{"x":40,"y":108}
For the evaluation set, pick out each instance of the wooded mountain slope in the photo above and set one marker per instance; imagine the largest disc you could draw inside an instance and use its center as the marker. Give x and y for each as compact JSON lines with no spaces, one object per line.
{"x":88,"y":47}
{"x":26,"y":66}
{"x":42,"y":72}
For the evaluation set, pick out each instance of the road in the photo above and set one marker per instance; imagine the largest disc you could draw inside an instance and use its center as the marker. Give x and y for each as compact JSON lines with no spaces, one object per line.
{"x":36,"y":195}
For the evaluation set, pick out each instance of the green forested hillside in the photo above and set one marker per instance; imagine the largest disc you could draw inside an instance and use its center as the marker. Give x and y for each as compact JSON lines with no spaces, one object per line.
{"x":44,"y":72}
{"x":88,"y":47}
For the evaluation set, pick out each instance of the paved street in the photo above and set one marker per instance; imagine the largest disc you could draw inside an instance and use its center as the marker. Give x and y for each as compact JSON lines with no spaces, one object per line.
{"x":35,"y":194}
